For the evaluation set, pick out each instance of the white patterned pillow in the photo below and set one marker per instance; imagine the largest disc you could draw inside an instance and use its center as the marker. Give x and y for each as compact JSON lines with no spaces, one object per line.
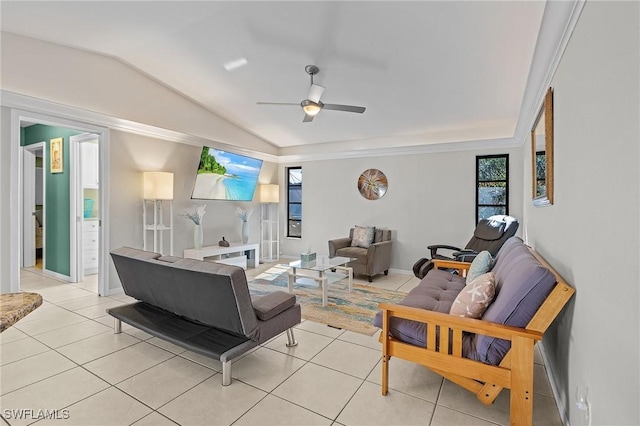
{"x":363,"y":236}
{"x":475,"y":297}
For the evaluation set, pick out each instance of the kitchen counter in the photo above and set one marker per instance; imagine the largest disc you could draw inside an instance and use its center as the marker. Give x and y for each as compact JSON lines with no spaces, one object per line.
{"x":15,"y":306}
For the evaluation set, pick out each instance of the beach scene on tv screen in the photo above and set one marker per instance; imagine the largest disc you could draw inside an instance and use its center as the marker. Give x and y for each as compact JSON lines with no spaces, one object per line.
{"x":224,"y":175}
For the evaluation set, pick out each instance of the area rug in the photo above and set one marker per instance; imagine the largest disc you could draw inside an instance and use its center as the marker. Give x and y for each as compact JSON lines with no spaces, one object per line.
{"x":345,"y":310}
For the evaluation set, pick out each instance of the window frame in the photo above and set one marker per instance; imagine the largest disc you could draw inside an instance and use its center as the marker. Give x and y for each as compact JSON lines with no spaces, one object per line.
{"x":290,"y":203}
{"x":479,"y":158}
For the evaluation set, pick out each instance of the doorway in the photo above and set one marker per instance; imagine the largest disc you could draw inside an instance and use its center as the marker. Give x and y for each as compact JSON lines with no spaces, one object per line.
{"x":33,"y":206}
{"x":19,"y":120}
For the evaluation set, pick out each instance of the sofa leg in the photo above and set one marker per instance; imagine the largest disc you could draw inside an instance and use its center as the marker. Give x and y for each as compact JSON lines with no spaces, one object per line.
{"x":386,"y":272}
{"x":370,"y":278}
{"x":291,"y":341}
{"x":117,"y":326}
{"x":226,"y":373}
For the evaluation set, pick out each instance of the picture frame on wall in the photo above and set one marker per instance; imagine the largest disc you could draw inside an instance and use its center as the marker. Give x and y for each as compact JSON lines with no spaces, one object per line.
{"x":542,"y":154}
{"x":56,"y":155}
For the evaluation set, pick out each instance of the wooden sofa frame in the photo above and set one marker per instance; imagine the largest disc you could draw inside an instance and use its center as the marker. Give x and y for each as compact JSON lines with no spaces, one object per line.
{"x":515,"y":372}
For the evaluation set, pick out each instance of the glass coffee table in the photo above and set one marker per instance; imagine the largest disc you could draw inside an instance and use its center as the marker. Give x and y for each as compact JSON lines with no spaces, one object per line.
{"x":321,"y":271}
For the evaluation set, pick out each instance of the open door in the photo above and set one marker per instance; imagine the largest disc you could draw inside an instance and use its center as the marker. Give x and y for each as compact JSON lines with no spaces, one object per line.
{"x":85,"y":185}
{"x":32,"y":205}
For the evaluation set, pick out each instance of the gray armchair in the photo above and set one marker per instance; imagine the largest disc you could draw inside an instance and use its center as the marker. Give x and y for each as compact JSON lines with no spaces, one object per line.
{"x":369,"y":261}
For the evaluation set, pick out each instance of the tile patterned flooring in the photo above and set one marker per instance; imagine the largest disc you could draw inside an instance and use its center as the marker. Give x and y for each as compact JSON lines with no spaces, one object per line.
{"x":64,"y":356}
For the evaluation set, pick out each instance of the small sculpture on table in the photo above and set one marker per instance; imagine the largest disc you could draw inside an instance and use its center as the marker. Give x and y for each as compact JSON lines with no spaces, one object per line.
{"x":223,"y":243}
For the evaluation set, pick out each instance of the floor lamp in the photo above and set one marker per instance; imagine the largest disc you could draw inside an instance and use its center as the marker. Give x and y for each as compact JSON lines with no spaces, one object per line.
{"x":269,"y":223}
{"x":158,"y":188}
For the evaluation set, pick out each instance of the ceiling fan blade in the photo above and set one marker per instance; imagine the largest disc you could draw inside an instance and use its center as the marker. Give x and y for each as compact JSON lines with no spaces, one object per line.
{"x":347,"y":108}
{"x":315,"y":91}
{"x":278,"y":103}
{"x":307,"y":118}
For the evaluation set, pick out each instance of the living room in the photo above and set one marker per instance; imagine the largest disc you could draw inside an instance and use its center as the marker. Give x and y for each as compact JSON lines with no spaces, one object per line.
{"x":431,"y":195}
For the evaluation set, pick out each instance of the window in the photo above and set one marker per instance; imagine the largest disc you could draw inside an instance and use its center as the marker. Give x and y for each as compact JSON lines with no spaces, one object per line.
{"x":294,"y":202}
{"x":492,"y":185}
{"x":541,"y":173}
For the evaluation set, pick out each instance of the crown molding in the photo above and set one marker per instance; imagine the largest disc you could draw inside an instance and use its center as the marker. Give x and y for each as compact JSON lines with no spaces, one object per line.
{"x":558,"y":23}
{"x":476,"y":145}
{"x":36,"y":105}
{"x":18,"y":101}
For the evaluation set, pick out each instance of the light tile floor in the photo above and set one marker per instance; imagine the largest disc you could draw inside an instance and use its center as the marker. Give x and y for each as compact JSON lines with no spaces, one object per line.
{"x":65,"y":356}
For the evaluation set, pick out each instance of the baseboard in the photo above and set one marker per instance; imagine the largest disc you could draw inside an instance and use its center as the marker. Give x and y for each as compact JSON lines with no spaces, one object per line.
{"x":118,"y":291}
{"x":554,"y":386}
{"x":56,"y":275}
{"x":401,"y":271}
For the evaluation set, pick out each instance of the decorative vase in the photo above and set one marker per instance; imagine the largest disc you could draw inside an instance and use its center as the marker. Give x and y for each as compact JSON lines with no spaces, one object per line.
{"x":245,"y":232}
{"x":197,"y":237}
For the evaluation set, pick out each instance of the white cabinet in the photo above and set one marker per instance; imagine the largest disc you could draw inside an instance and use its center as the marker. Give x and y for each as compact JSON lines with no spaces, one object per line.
{"x":155,"y":225}
{"x":89,"y":164}
{"x":90,"y":246}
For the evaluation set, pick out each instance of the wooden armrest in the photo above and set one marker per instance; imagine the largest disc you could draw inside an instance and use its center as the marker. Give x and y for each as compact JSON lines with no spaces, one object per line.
{"x":462,"y":267}
{"x":459,"y":323}
{"x":446,"y":263}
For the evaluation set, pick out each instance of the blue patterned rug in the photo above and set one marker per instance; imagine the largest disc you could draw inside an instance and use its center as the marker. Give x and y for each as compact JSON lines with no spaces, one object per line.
{"x":346,"y":310}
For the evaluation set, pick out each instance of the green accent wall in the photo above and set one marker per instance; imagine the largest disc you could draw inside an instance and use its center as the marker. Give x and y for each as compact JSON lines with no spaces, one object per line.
{"x":57,"y":201}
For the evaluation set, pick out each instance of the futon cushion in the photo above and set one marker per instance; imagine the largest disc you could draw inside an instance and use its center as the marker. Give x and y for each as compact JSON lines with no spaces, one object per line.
{"x":522,"y":284}
{"x":363,"y":236}
{"x":436,"y":292}
{"x":475,"y":297}
{"x":481,"y":264}
{"x":272,"y":304}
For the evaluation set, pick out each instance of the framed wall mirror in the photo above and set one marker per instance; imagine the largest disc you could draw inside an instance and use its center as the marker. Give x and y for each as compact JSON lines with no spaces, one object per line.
{"x":542,"y":153}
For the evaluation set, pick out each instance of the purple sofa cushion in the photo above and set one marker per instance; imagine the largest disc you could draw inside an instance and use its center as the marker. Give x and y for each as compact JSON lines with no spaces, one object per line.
{"x":436,"y":292}
{"x":522,"y":284}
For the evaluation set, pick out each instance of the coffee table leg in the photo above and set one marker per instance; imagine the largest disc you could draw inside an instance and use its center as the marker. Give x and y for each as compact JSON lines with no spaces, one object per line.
{"x":324,"y":284}
{"x":292,"y":279}
{"x":350,"y":272}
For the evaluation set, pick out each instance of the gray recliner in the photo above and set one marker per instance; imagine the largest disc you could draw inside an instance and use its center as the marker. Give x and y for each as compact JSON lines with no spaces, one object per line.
{"x":490,"y":234}
{"x":368,"y":261}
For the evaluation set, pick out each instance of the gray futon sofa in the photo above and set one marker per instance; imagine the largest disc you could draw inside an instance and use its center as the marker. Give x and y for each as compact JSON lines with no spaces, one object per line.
{"x":204,"y":307}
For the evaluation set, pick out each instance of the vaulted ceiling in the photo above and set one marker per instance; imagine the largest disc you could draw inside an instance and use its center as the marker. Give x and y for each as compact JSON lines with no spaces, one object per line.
{"x":426,"y":71}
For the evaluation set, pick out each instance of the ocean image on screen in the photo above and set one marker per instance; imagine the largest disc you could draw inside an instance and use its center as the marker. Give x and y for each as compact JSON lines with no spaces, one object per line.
{"x":224,"y":175}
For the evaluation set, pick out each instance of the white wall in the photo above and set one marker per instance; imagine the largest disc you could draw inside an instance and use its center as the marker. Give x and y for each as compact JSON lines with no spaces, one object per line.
{"x":430,"y":200}
{"x":133,"y":154}
{"x":591,"y":235}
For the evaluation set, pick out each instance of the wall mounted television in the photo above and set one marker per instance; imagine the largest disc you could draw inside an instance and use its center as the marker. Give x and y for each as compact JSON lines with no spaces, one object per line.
{"x":223,"y":175}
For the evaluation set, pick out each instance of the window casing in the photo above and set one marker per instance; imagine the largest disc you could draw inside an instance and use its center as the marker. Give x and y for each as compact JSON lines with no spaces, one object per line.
{"x":294,"y":202}
{"x":492,"y":185}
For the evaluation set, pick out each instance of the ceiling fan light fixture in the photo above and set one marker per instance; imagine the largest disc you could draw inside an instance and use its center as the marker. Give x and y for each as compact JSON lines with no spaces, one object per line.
{"x":311,"y":108}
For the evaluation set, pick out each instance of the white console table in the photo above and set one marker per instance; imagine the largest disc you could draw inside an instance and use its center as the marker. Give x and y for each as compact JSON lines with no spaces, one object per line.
{"x":234,"y":248}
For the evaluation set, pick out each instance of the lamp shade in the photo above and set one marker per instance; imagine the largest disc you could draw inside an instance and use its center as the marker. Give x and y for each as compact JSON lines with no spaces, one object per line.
{"x":269,"y":193}
{"x":158,"y":186}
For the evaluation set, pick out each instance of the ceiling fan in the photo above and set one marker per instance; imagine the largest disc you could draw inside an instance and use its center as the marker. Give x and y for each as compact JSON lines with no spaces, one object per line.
{"x":312,"y":105}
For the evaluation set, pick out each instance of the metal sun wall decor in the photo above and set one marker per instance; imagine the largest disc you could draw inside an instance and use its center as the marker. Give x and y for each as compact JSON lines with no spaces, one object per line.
{"x":372,"y":184}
